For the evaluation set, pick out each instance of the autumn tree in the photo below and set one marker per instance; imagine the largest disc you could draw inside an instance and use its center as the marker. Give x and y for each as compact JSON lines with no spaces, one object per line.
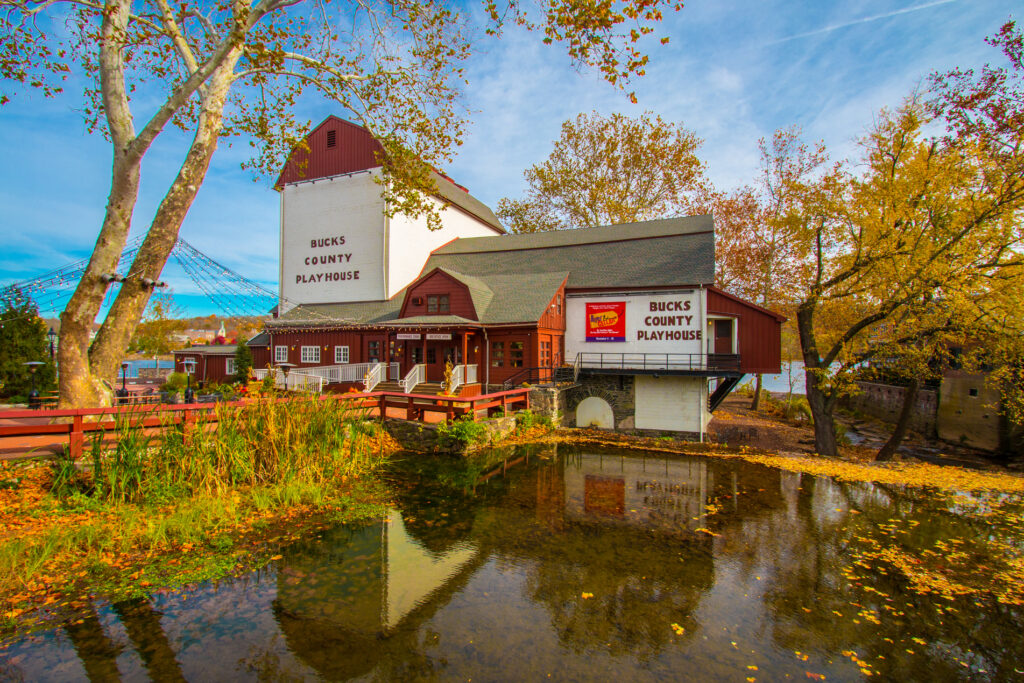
{"x":609,"y":170}
{"x":903,"y":251}
{"x":155,"y":334}
{"x":757,"y":250}
{"x":238,"y":68}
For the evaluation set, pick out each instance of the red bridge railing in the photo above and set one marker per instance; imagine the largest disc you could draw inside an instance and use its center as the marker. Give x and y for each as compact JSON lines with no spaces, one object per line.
{"x":70,"y":426}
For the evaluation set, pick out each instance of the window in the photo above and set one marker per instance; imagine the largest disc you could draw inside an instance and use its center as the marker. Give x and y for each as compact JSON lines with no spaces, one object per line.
{"x":332,"y":138}
{"x":280,"y":354}
{"x":340,"y":354}
{"x":438,"y":303}
{"x":558,"y":304}
{"x":545,"y":354}
{"x":417,"y":355}
{"x":229,"y":366}
{"x":515,"y":354}
{"x":310,"y":354}
{"x":431,"y":355}
{"x":497,"y":354}
{"x":373,"y":351}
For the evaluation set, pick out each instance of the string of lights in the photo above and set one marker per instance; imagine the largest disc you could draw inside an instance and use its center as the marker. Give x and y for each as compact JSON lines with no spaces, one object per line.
{"x":229,"y":291}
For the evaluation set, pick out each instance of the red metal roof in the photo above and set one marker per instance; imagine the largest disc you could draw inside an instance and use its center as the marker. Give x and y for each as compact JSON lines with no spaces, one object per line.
{"x":353,"y":149}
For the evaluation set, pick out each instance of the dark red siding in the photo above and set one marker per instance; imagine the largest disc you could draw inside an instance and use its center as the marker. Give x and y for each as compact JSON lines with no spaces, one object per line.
{"x":354,"y":150}
{"x":436,"y":283}
{"x":554,"y":315}
{"x":209,"y":367}
{"x":759,"y":332}
{"x":326,"y":340}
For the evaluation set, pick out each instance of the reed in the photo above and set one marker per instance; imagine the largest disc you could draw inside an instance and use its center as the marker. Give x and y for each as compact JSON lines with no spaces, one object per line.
{"x":263,"y":443}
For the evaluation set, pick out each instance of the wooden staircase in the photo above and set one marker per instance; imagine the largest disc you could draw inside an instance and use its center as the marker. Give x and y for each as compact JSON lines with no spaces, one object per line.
{"x":430,"y":388}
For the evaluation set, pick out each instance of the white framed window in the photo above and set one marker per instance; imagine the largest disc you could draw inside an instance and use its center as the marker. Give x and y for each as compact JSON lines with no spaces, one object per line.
{"x":310,"y":354}
{"x":280,"y":354}
{"x":340,"y":354}
{"x":229,"y":366}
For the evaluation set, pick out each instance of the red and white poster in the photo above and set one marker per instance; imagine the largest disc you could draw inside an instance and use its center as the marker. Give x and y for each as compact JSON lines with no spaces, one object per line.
{"x":606,"y":321}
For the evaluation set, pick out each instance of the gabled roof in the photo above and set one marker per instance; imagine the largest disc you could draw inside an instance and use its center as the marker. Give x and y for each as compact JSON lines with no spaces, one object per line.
{"x":672,"y":251}
{"x":498,"y":299}
{"x":261,"y":339}
{"x":353,"y":150}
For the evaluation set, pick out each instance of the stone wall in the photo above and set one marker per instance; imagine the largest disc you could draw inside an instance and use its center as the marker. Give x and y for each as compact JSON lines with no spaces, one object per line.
{"x":423,"y":438}
{"x":616,"y":390}
{"x":884,"y":402}
{"x":969,"y":412}
{"x":550,"y":401}
{"x":155,"y":373}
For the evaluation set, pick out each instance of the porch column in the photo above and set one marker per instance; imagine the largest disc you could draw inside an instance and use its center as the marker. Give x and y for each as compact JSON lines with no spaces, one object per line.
{"x":465,"y":348}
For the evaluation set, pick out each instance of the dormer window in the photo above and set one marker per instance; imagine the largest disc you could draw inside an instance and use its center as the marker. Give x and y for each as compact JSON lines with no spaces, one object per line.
{"x":438,"y":303}
{"x":332,"y":138}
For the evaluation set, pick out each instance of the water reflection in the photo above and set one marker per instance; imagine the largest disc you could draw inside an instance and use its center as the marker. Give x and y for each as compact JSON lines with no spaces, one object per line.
{"x":585,"y":565}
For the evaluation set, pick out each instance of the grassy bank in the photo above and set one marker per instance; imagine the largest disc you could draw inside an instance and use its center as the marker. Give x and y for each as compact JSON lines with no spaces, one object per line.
{"x":153,"y":512}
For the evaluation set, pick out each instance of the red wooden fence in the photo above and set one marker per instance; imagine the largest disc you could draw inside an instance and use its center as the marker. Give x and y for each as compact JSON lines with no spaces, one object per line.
{"x":413,"y":406}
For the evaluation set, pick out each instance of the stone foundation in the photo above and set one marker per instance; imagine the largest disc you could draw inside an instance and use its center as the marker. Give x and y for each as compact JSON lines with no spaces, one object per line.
{"x":884,"y":401}
{"x":423,"y":438}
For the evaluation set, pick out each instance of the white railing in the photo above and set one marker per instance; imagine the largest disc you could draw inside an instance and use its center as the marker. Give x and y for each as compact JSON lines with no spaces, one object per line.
{"x":293,"y":381}
{"x":374,"y":376}
{"x":417,"y":375}
{"x":458,"y":378}
{"x":394,"y":372}
{"x":471,"y":374}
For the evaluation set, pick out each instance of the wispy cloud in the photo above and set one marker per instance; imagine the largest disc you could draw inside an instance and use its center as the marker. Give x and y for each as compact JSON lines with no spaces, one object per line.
{"x":857,"y":22}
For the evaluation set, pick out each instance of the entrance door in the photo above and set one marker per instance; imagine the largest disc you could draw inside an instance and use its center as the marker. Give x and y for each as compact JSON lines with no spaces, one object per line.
{"x":723,"y":336}
{"x":374,"y":349}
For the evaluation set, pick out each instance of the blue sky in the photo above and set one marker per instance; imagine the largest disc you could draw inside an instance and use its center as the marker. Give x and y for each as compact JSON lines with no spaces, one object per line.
{"x":733,"y":72}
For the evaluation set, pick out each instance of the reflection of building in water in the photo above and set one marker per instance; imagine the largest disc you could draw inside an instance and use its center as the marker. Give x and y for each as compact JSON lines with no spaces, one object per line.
{"x":667,"y":493}
{"x":338,"y":594}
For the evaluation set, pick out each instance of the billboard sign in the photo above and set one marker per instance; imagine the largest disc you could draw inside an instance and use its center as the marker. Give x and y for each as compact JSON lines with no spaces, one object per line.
{"x":606,"y":321}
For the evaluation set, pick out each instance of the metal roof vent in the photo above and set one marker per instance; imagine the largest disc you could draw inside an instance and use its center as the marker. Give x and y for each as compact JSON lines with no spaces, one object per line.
{"x":332,"y":139}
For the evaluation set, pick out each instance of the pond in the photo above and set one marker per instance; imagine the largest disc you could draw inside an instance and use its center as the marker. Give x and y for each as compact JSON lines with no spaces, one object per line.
{"x":582,"y":565}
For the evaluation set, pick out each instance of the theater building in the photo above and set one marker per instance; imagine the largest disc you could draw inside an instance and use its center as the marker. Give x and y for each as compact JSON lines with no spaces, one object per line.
{"x":628,"y":313}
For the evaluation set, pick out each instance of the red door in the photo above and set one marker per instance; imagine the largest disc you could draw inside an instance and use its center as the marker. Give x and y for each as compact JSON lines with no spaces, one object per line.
{"x":723,"y":336}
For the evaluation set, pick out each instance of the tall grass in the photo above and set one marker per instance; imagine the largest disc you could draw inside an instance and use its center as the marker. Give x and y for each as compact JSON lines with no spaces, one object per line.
{"x":307,"y":441}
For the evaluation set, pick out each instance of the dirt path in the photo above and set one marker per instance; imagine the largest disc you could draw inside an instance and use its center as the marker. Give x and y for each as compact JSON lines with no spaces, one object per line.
{"x":736,"y":425}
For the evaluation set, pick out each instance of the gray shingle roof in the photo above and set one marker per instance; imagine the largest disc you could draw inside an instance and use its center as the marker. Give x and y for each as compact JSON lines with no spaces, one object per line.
{"x":210,"y":350}
{"x":672,"y":251}
{"x":450,"y":192}
{"x":498,"y":299}
{"x":513,"y":278}
{"x":261,"y":339}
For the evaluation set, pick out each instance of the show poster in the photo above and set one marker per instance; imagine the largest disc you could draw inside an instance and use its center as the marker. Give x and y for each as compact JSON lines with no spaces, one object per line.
{"x":606,"y":321}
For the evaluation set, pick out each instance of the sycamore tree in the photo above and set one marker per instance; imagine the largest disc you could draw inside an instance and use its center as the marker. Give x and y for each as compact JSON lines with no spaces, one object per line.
{"x":216,"y":69}
{"x":912,"y":246}
{"x":609,"y":170}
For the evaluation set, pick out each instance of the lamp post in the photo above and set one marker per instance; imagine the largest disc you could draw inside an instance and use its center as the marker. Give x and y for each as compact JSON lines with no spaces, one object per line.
{"x":33,"y":396}
{"x":52,"y":337}
{"x":190,"y":366}
{"x":285,"y":367}
{"x":122,"y":393}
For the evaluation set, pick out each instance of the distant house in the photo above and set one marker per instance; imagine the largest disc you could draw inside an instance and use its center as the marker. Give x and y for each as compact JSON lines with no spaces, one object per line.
{"x":213,"y":363}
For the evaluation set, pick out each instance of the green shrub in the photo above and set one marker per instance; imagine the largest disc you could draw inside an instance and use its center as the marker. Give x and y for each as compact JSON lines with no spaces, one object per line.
{"x":176,"y":381}
{"x":527,"y":419}
{"x":460,"y":433}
